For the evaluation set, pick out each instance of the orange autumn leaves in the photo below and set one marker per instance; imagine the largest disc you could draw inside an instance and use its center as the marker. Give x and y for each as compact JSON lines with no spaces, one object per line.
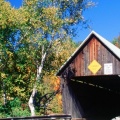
{"x":53,"y":83}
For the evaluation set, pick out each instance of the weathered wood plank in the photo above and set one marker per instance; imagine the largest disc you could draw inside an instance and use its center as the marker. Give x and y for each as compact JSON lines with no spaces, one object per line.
{"x":95,"y":50}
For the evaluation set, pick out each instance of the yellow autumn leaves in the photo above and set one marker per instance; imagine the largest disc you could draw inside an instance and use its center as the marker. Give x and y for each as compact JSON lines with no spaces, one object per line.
{"x":9,"y":16}
{"x":3,"y":75}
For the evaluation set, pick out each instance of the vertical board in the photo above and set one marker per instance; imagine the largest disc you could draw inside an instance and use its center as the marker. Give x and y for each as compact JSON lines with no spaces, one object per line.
{"x":71,"y":104}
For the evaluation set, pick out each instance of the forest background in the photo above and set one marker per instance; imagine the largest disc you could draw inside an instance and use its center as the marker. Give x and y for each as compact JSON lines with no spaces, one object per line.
{"x":35,"y":40}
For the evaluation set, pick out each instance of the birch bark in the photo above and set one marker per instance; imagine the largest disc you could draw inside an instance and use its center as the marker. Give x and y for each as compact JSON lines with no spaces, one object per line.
{"x":39,"y":71}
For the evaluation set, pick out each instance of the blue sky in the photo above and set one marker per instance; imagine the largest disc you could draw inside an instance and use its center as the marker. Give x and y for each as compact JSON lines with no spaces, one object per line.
{"x":15,"y":3}
{"x":104,"y":18}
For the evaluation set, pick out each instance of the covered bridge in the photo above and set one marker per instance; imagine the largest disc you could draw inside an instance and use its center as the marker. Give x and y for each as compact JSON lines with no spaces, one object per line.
{"x":90,"y":80}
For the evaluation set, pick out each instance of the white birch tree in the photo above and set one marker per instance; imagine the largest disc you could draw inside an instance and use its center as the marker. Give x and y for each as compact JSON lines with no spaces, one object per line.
{"x":47,"y":21}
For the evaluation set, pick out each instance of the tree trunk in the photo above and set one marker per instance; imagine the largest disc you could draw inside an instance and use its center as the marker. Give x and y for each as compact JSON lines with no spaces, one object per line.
{"x":39,"y":71}
{"x":4,"y":94}
{"x":31,"y":102}
{"x":31,"y":99}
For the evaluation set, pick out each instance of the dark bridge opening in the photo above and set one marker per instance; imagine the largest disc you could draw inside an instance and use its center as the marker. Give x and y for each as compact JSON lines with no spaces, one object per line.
{"x":99,"y":96}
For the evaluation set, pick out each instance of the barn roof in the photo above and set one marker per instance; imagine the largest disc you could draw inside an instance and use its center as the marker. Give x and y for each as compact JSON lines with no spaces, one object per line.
{"x":108,"y":44}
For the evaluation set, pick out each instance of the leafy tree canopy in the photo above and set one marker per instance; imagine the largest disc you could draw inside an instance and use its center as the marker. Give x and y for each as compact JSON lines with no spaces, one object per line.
{"x":34,"y":42}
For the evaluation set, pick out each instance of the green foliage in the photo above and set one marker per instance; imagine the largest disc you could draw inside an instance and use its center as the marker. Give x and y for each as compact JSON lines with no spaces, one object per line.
{"x":16,"y":108}
{"x":116,"y":41}
{"x":18,"y":112}
{"x":13,"y":108}
{"x":24,"y":33}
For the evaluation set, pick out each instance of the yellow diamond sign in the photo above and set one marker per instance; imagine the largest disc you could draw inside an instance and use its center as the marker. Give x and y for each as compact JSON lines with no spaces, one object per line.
{"x":94,"y":66}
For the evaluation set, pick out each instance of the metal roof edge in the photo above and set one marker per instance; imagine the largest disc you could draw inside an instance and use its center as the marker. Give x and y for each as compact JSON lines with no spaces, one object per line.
{"x":108,"y":44}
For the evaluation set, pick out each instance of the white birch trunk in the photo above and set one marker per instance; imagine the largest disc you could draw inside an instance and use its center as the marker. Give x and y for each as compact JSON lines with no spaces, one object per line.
{"x":4,"y":94}
{"x":39,"y":71}
{"x":31,"y":100}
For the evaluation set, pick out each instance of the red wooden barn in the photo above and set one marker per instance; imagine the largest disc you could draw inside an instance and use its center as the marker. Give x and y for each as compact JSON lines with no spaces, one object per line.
{"x":90,"y":80}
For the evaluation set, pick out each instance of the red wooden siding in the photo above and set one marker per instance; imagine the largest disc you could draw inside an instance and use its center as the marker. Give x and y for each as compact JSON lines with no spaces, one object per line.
{"x":94,"y":50}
